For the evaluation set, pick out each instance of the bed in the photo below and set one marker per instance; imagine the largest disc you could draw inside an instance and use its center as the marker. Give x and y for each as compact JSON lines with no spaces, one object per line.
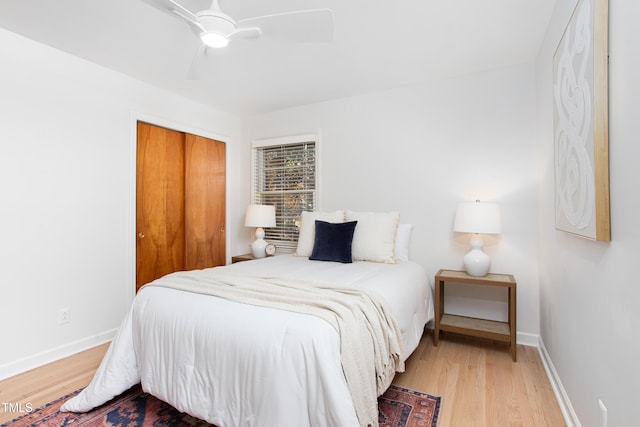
{"x":234,"y":363}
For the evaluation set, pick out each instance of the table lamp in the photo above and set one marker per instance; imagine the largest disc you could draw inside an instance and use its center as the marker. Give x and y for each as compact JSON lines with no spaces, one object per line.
{"x":478,"y":218}
{"x":260,"y":216}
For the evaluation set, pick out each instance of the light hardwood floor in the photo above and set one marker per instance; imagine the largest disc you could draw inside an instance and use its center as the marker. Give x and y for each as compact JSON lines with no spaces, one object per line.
{"x":479,"y":384}
{"x":47,"y":383}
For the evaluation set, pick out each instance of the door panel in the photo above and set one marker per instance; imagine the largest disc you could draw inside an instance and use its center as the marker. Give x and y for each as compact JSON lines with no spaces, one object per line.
{"x":205,"y":174}
{"x":160,"y":211}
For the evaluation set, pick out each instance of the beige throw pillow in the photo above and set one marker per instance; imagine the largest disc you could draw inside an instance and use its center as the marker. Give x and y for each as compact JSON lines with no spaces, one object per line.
{"x":375,"y":235}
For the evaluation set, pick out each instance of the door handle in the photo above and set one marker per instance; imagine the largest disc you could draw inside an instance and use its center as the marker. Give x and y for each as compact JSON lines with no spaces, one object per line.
{"x":141,"y":235}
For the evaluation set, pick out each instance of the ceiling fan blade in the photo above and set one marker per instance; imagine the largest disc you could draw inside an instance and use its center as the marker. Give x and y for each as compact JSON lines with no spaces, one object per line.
{"x":208,"y":64}
{"x":177,"y":10}
{"x":183,"y":11}
{"x":201,"y":64}
{"x":307,"y":26}
{"x":245,"y":33}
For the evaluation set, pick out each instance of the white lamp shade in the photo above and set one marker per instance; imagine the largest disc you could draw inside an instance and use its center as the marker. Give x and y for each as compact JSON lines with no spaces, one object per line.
{"x":260,"y":216}
{"x":477,"y":217}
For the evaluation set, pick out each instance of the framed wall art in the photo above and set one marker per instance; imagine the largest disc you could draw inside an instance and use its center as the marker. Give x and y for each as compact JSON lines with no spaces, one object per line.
{"x":581,"y":128}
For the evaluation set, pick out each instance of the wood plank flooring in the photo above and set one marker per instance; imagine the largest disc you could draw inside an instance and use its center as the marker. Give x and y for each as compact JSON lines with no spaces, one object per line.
{"x":480,"y":384}
{"x":476,"y":378}
{"x":46,"y":383}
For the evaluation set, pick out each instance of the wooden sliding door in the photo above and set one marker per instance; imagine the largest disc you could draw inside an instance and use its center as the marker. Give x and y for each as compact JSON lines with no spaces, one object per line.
{"x":180,"y":202}
{"x":159,"y":203}
{"x":204,"y":203}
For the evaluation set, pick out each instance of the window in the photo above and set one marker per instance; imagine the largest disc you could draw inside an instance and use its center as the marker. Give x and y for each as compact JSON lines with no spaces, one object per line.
{"x":284,"y":175}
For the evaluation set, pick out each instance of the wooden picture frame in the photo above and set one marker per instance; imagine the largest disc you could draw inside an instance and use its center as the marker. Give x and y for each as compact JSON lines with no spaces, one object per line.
{"x":581,"y":123}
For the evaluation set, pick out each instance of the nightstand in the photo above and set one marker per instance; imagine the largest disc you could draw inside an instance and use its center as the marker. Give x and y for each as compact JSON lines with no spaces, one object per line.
{"x":491,"y":329}
{"x":240,"y":258}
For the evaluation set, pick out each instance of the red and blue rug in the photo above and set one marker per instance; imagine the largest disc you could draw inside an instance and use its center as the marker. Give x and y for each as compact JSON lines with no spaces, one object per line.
{"x":398,"y":407}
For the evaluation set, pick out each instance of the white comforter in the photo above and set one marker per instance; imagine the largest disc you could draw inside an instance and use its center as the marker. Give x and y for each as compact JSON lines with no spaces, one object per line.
{"x":234,"y":364}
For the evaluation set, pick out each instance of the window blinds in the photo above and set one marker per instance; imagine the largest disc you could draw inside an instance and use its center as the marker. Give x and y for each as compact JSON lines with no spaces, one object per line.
{"x":284,"y":176}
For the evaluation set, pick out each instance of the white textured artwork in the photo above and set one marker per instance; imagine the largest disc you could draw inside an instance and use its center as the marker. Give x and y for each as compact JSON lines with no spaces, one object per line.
{"x":573,"y":125}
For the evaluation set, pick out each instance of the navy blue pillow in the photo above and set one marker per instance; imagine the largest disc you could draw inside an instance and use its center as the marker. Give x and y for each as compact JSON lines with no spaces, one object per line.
{"x":333,"y":241}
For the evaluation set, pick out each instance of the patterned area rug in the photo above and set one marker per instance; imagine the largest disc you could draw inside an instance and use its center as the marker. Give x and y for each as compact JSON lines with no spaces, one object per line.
{"x":398,"y":407}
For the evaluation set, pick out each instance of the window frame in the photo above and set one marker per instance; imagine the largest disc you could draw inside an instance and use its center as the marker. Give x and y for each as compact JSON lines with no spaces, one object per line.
{"x":283,"y":245}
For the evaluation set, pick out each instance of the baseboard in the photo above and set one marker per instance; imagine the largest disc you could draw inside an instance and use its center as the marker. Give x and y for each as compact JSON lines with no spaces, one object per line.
{"x":570,"y":416}
{"x":530,"y":340}
{"x":34,"y":361}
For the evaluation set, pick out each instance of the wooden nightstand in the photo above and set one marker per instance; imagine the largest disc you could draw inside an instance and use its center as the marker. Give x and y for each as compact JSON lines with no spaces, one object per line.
{"x":240,"y":258}
{"x":491,"y":329}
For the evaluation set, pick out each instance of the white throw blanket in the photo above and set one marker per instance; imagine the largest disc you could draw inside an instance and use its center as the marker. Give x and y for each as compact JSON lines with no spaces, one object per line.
{"x":371,"y":342}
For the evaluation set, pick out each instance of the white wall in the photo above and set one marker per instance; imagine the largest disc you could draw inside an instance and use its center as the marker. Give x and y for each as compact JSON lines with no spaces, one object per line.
{"x":421,"y":150}
{"x":589,"y":297}
{"x":67,"y":169}
{"x":67,"y":206}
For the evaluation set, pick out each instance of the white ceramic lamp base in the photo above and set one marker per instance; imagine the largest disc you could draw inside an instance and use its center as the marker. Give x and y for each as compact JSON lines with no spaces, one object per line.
{"x":476,"y":262}
{"x":258,"y":247}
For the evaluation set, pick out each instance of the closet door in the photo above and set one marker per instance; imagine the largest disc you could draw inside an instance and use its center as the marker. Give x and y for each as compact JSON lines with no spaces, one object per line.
{"x":205,"y":173}
{"x":160,"y":214}
{"x":180,"y":203}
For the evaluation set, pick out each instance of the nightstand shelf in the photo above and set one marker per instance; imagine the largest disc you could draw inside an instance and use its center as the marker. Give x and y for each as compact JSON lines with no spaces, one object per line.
{"x":491,"y":329}
{"x":483,"y":328}
{"x":240,"y":258}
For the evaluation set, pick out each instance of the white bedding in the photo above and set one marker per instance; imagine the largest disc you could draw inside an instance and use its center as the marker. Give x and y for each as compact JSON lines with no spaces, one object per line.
{"x":285,"y":369}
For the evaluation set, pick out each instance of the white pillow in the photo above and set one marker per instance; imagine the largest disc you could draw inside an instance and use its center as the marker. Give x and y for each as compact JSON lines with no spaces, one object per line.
{"x":403,"y":237}
{"x":307,"y":234}
{"x":375,"y":235}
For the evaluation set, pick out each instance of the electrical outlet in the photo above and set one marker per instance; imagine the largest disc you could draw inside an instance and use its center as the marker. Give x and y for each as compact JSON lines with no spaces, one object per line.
{"x":603,"y":414}
{"x":64,"y":316}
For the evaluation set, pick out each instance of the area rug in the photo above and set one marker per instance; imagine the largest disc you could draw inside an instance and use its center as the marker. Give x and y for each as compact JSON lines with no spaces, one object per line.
{"x":398,"y":407}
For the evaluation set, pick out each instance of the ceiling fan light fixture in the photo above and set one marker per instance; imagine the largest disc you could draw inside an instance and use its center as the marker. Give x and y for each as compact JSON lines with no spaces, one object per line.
{"x":217,"y":29}
{"x":214,"y":39}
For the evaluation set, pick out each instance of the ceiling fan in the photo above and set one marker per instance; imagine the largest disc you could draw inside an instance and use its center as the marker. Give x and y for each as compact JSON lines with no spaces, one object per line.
{"x":216,"y":29}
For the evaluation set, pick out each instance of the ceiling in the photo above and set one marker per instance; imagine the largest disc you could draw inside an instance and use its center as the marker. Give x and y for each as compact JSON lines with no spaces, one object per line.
{"x":377,"y":45}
